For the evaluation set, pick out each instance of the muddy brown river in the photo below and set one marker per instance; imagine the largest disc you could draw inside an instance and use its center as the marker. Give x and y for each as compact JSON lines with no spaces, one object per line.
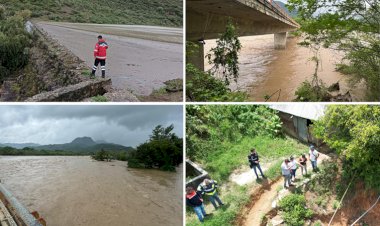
{"x":81,"y":191}
{"x":264,"y":70}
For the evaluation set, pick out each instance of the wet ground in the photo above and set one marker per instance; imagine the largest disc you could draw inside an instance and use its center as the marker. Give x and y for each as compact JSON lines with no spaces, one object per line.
{"x":139,"y":58}
{"x":80,"y":191}
{"x":264,"y":70}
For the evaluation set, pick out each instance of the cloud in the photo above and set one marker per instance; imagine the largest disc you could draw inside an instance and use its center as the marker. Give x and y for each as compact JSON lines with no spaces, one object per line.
{"x":48,"y":124}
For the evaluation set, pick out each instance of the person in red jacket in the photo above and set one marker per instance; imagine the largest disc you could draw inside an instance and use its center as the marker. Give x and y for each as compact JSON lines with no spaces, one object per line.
{"x":100,"y":54}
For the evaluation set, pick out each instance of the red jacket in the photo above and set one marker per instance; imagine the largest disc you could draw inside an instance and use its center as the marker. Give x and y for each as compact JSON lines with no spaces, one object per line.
{"x":100,"y":51}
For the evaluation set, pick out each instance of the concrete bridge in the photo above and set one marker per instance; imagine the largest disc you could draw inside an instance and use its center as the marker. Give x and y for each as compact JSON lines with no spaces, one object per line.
{"x":207,"y":19}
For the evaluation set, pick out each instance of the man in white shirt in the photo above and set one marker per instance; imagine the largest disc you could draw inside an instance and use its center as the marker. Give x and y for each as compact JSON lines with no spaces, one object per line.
{"x":285,"y":169}
{"x":293,"y":168}
{"x":313,"y":156}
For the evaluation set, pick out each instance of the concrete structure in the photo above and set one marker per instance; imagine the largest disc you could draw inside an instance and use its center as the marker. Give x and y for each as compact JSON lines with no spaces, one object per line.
{"x":75,"y":92}
{"x":207,"y":19}
{"x":297,"y":119}
{"x":196,"y":173}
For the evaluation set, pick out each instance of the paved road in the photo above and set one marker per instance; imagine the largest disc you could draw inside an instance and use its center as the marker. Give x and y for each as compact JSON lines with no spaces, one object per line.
{"x":139,"y":65}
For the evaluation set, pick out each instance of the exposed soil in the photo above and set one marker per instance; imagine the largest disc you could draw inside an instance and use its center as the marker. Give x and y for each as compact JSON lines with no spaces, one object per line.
{"x":355,"y":204}
{"x":262,"y":199}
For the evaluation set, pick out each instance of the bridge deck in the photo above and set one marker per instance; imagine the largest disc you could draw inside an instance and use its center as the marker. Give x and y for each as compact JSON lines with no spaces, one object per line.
{"x":207,"y":18}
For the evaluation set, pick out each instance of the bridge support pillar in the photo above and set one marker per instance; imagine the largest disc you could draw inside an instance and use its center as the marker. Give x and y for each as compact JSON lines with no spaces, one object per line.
{"x":280,"y":40}
{"x":197,"y":58}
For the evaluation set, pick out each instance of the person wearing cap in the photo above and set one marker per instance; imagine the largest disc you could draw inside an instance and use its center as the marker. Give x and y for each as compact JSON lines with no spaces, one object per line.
{"x":302,"y":161}
{"x":209,"y":188}
{"x":100,"y":55}
{"x":194,"y":199}
{"x":285,"y":169}
{"x":254,"y":162}
{"x":293,"y":168}
{"x":313,"y":156}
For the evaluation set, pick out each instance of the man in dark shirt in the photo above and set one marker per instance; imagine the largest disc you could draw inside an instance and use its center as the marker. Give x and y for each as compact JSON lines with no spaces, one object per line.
{"x":195,"y":200}
{"x":254,"y":162}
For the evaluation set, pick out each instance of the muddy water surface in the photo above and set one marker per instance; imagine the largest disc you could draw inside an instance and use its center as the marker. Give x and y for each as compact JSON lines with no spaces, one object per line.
{"x":264,"y":70}
{"x":80,"y":191}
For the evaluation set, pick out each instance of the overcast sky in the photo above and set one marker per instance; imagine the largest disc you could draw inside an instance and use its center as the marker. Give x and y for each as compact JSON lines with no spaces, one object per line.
{"x":126,"y":125}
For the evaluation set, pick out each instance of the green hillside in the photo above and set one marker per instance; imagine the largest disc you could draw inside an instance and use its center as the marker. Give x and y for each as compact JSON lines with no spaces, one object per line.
{"x":141,"y":12}
{"x":86,"y":149}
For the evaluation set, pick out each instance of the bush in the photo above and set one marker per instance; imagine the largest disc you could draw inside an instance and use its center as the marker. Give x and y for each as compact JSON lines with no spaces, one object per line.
{"x":102,"y":155}
{"x":306,"y":92}
{"x":295,"y":210}
{"x":14,"y":42}
{"x":202,"y":86}
{"x":99,"y":98}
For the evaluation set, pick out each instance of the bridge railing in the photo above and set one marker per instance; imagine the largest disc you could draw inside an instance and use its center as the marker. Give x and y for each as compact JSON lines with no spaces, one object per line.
{"x":278,"y":10}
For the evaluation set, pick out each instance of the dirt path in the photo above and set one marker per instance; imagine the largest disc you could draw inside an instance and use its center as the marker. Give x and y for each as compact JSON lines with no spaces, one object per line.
{"x":139,"y":65}
{"x":263,"y":204}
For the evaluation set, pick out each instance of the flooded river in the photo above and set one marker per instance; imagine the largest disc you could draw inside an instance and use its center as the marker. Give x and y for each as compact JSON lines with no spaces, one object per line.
{"x":80,"y":191}
{"x":264,"y":70}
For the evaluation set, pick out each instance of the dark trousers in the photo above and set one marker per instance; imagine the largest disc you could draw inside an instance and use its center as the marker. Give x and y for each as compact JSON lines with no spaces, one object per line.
{"x":216,"y":198}
{"x":254,"y":166}
{"x":102,"y":66}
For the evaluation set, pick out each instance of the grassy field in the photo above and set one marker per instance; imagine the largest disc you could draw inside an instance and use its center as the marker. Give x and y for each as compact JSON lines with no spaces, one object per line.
{"x":231,"y":156}
{"x":141,"y":12}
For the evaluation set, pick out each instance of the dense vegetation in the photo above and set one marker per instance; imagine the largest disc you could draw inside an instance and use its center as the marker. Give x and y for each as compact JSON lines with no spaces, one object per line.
{"x":354,"y":132}
{"x":32,"y":151}
{"x":219,"y":137}
{"x":142,"y":12}
{"x":351,"y":26}
{"x":295,"y":211}
{"x":164,"y":150}
{"x":15,"y":42}
{"x":104,"y":155}
{"x":213,"y":84}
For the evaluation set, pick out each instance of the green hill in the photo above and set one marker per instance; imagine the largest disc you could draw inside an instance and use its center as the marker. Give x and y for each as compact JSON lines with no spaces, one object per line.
{"x":141,"y":12}
{"x":293,"y":13}
{"x":80,"y":145}
{"x":84,"y":145}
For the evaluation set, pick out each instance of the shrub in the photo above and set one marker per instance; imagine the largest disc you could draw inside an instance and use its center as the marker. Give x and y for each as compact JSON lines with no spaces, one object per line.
{"x":202,"y":86}
{"x":306,"y":92}
{"x":14,"y":42}
{"x":102,"y":155}
{"x":295,"y":210}
{"x":99,"y":98}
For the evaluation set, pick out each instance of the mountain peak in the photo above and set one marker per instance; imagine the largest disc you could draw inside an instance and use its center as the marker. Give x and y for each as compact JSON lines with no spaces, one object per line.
{"x":83,"y":141}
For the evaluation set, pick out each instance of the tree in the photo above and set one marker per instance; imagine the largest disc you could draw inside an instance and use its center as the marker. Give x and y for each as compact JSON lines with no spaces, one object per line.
{"x":163,"y":150}
{"x":351,"y":26}
{"x":213,"y":84}
{"x":102,"y":155}
{"x":224,"y":57}
{"x":354,"y":132}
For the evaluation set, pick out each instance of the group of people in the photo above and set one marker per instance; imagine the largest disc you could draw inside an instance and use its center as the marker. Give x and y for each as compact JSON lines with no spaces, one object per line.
{"x":289,"y":166}
{"x":194,"y":198}
{"x":209,"y":187}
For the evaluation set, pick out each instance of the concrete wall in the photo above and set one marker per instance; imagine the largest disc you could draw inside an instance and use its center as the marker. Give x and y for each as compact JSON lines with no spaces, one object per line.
{"x":75,"y":92}
{"x":196,"y":173}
